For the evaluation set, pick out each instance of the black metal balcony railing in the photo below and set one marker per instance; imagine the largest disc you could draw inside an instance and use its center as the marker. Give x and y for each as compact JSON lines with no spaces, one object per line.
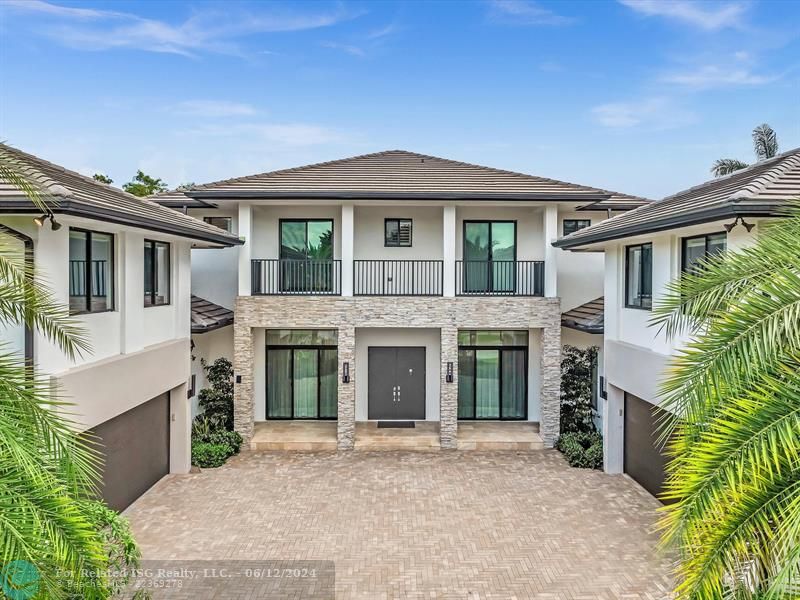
{"x":296,"y":276}
{"x":499,"y":278}
{"x":397,"y":277}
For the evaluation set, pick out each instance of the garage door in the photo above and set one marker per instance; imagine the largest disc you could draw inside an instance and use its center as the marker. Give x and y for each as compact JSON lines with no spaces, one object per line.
{"x":643,"y":460}
{"x":135,"y":450}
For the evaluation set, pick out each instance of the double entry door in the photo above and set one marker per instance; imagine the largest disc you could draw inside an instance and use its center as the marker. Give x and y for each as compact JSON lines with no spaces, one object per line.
{"x":396,"y":387}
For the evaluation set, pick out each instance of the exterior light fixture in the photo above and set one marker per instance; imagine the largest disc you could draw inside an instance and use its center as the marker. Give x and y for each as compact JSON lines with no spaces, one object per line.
{"x":40,"y":221}
{"x":345,"y":372}
{"x":54,"y":225}
{"x":449,"y":374}
{"x":729,"y":226}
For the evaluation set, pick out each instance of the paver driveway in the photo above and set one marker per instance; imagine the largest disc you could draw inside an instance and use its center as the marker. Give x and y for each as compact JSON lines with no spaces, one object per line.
{"x":418,"y":525}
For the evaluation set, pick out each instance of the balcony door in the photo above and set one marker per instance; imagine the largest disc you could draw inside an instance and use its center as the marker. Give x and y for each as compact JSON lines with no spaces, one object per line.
{"x":306,"y":255}
{"x":490,"y":252}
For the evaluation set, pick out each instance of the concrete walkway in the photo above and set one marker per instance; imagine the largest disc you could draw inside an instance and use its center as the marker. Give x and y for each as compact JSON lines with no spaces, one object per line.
{"x":461,"y":525}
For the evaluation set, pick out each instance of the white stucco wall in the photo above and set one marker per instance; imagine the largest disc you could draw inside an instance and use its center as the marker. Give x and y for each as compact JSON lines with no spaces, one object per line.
{"x":426,"y":233}
{"x":209,"y":347}
{"x":215,"y":270}
{"x":428,"y":338}
{"x":580,"y":274}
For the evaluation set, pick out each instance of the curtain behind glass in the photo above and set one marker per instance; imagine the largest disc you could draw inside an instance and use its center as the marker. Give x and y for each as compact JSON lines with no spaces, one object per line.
{"x":102,"y":280}
{"x":328,"y":384}
{"x":466,"y":384}
{"x":279,"y":384}
{"x":487,"y":384}
{"x":514,"y":376}
{"x":305,"y":384}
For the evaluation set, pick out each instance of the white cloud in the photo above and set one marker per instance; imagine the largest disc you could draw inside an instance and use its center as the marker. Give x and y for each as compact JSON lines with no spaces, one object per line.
{"x":525,"y":12}
{"x":382,"y":32}
{"x":705,"y":15}
{"x":203,"y":32}
{"x":213,"y":108}
{"x":712,"y":76}
{"x":653,"y":113}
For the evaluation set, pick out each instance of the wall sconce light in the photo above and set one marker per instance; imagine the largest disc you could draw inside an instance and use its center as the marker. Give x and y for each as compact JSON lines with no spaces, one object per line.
{"x":40,"y":221}
{"x":449,"y":374}
{"x":345,"y":372}
{"x":749,"y":226}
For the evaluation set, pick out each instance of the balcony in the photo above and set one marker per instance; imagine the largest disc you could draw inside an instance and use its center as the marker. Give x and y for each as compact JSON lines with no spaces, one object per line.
{"x":397,"y":277}
{"x":499,"y":278}
{"x":298,"y":277}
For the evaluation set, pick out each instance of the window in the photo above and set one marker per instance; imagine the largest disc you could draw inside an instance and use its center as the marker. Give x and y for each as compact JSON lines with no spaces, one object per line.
{"x":493,"y":375}
{"x":221,"y":222}
{"x":156,"y":273}
{"x":490,"y":252}
{"x":302,"y":374}
{"x":397,"y":232}
{"x":307,"y":255}
{"x":91,"y":271}
{"x":699,"y":247}
{"x":573,"y":225}
{"x":639,"y":276}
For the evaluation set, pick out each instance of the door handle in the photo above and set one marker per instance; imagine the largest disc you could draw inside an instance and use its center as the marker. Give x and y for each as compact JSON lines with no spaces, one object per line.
{"x":394,"y":393}
{"x":398,"y":393}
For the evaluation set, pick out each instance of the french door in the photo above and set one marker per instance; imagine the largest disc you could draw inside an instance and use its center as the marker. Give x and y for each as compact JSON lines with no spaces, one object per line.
{"x":492,"y":383}
{"x":306,"y":255}
{"x":490,"y":254}
{"x":302,"y":382}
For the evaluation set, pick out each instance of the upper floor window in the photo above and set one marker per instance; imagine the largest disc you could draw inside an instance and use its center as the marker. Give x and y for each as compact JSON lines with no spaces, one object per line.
{"x":701,"y":246}
{"x":397,"y":232}
{"x":639,"y":276}
{"x":91,"y":271}
{"x":221,"y":222}
{"x":156,"y":273}
{"x":573,"y":225}
{"x":303,"y":239}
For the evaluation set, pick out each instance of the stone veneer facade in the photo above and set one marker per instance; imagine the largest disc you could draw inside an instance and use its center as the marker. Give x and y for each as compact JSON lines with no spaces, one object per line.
{"x":448,"y":315}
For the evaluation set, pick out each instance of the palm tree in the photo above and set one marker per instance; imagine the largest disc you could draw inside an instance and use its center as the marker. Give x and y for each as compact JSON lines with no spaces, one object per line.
{"x":733,"y":424}
{"x":765,"y":144}
{"x":47,"y":472}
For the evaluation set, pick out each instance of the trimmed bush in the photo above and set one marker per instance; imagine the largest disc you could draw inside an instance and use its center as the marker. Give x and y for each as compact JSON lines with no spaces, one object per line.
{"x":582,"y":450}
{"x":207,"y":455}
{"x":232,"y":439}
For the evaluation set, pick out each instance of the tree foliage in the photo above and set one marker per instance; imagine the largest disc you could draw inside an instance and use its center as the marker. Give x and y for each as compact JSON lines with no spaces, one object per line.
{"x":733,"y":420}
{"x":144,"y":185}
{"x":577,"y":373}
{"x":102,"y":178}
{"x":765,"y":145}
{"x":217,"y":400}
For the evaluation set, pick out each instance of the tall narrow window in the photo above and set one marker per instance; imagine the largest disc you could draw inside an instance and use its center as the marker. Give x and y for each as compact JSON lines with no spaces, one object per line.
{"x":700,"y":247}
{"x":156,"y":273}
{"x":91,"y":271}
{"x":397,"y":232}
{"x":639,"y":276}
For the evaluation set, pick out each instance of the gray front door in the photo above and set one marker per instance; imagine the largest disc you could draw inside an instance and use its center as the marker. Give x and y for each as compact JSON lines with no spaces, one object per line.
{"x":396,"y":388}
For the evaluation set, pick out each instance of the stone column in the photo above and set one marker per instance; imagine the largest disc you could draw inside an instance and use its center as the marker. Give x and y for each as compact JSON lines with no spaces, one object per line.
{"x":346,"y":425}
{"x":448,"y":403}
{"x":551,"y":384}
{"x":243,"y":415}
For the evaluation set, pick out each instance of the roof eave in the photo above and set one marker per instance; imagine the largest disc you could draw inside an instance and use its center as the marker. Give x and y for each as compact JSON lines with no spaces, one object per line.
{"x":78,"y":209}
{"x":731,"y":209}
{"x":593,"y":329}
{"x":250,"y":195}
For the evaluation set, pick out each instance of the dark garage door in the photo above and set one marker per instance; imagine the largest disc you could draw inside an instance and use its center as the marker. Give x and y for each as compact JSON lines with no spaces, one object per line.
{"x":135,"y":450}
{"x":643,"y":461}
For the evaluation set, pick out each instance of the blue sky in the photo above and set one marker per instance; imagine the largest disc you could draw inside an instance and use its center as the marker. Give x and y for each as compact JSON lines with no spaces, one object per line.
{"x":638,"y":96}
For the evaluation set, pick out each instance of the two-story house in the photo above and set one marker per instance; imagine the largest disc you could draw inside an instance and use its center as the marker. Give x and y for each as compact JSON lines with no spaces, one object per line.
{"x":644,"y":250}
{"x":122,"y":266}
{"x":396,"y":288}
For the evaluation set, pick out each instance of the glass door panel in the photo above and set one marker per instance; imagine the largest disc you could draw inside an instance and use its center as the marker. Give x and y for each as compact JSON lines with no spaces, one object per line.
{"x":514,"y":379}
{"x":279,"y":384}
{"x":466,"y":384}
{"x":328,"y":384}
{"x":487,"y":384}
{"x":504,"y":253}
{"x":477,"y":251}
{"x":306,"y":388}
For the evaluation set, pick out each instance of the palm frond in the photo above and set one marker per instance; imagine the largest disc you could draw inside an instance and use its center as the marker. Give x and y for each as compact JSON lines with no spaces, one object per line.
{"x":765,"y":142}
{"x":726,"y":166}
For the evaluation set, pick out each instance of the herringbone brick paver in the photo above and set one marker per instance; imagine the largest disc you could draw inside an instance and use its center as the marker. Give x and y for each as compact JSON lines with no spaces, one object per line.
{"x":460,"y":525}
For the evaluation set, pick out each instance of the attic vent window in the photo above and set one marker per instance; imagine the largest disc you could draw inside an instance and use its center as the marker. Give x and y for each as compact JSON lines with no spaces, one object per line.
{"x":397,"y":233}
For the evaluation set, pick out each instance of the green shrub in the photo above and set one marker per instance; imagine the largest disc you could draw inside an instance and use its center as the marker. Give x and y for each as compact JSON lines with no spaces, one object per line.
{"x":217,"y":400}
{"x":582,"y":450}
{"x":207,"y":455}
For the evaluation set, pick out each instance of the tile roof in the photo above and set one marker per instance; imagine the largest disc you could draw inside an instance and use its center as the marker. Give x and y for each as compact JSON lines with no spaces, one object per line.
{"x":207,"y":316}
{"x":396,"y":174}
{"x":68,"y":192}
{"x":759,"y":190}
{"x":586,"y":317}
